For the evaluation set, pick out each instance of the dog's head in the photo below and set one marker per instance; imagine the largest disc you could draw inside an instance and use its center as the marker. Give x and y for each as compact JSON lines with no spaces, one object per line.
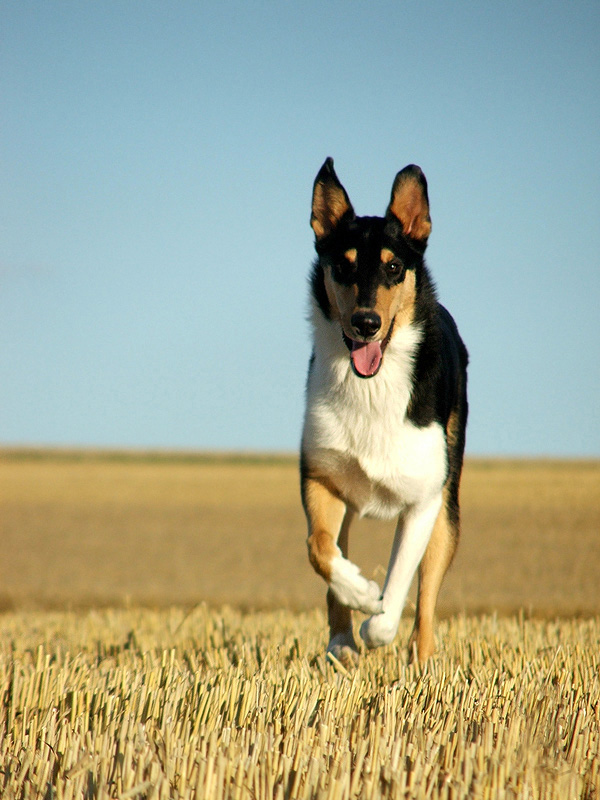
{"x":369,"y":264}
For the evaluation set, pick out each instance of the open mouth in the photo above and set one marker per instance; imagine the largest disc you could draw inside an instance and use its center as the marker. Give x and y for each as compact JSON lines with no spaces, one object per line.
{"x":367,"y":357}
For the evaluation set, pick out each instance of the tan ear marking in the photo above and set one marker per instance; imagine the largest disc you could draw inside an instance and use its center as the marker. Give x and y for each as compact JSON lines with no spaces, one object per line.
{"x":409,"y":203}
{"x":329,"y":202}
{"x":329,"y":206}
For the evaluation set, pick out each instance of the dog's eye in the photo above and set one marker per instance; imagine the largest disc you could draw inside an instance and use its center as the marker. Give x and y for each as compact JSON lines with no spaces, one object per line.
{"x":395,"y":269}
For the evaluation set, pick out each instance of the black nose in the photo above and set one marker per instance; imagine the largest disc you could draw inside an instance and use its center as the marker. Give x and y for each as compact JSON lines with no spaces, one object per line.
{"x":365,"y":323}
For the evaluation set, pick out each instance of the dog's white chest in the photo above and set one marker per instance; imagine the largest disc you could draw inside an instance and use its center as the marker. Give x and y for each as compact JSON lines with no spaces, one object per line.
{"x":357,"y":433}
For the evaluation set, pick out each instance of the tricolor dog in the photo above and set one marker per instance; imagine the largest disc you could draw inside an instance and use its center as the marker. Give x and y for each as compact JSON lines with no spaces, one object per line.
{"x":386,"y":410}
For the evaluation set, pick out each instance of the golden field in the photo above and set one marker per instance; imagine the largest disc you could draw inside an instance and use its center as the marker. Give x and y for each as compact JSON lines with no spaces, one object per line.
{"x":81,"y":530}
{"x":206,"y":704}
{"x":162,"y":636}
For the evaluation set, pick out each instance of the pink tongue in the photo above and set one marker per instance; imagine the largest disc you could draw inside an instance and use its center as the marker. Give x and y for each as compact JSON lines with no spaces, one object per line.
{"x":366,"y":357}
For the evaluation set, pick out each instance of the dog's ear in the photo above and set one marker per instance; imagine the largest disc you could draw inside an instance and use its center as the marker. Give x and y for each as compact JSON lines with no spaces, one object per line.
{"x":410,"y":204}
{"x":330,"y":203}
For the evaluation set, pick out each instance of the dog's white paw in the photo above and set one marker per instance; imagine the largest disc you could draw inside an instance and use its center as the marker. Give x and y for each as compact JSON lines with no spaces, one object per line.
{"x":352,"y":589}
{"x":343,"y":648}
{"x":379,"y":630}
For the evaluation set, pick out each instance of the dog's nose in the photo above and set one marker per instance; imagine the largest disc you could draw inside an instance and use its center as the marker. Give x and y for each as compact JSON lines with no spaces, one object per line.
{"x":365,"y":323}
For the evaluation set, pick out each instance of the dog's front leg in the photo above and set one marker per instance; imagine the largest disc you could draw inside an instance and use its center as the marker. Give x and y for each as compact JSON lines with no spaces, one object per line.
{"x":341,"y":636}
{"x":412,"y":535}
{"x":329,"y":520}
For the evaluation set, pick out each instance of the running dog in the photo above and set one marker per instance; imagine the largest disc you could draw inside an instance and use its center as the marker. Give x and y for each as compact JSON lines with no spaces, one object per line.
{"x":386,"y":410}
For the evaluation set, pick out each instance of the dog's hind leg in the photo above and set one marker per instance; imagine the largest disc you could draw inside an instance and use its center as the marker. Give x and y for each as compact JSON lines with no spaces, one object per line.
{"x":434,"y":565}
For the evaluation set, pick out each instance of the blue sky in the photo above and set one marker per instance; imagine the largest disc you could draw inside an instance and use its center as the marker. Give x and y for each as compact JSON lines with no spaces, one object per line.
{"x":157,"y":161}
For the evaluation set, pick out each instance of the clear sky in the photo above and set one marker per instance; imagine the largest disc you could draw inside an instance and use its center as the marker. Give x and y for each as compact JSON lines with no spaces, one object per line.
{"x":157,"y":161}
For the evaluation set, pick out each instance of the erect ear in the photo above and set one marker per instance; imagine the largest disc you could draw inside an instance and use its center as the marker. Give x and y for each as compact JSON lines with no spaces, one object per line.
{"x":329,"y":203}
{"x":410,"y":204}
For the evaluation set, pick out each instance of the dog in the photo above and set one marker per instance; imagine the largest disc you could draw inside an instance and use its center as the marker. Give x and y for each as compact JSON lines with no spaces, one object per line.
{"x":386,"y":411}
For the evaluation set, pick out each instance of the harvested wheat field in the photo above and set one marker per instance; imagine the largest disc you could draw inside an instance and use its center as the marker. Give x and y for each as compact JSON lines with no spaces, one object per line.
{"x":163,"y":636}
{"x":126,"y":704}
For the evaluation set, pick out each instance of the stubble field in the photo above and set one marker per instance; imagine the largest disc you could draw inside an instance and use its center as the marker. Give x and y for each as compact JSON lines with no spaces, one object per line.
{"x":162,"y":636}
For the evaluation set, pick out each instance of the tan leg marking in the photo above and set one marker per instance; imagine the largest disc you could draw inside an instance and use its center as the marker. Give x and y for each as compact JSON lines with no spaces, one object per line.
{"x":325,"y":512}
{"x":329,"y":524}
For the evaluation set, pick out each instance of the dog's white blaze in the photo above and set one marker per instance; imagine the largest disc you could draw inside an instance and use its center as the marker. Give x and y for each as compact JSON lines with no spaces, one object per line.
{"x":364,"y":420}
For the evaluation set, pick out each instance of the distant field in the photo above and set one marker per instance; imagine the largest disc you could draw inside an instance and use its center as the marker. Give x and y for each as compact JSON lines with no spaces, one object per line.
{"x":133,"y":666}
{"x":88,"y":529}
